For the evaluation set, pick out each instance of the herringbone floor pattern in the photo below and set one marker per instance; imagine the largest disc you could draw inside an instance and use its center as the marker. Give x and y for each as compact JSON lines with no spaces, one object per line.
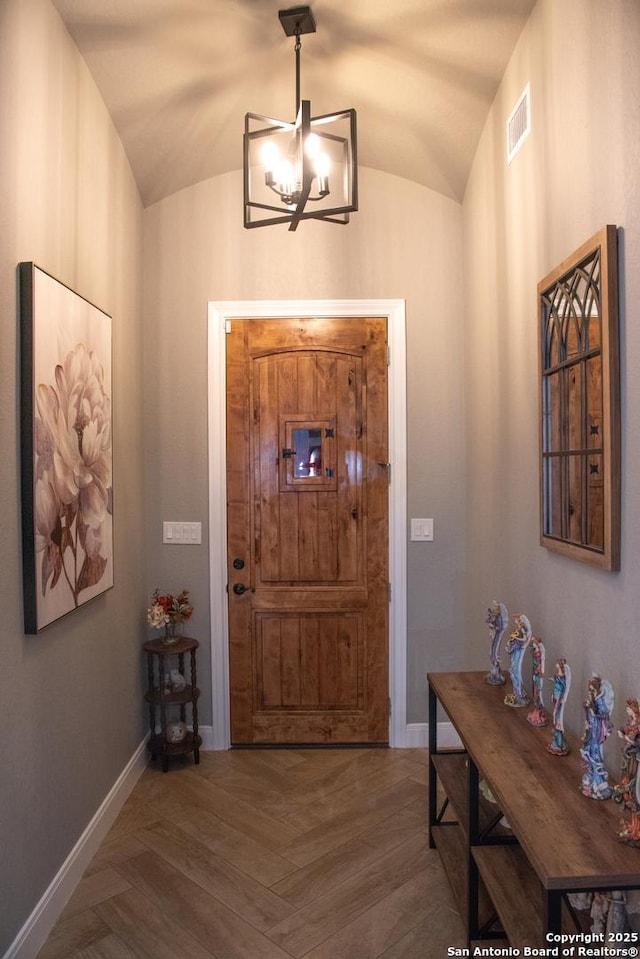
{"x":267,"y":854}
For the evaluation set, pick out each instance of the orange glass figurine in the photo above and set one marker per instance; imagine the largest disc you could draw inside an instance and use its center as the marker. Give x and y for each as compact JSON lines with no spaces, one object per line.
{"x":627,"y":791}
{"x":538,"y":716}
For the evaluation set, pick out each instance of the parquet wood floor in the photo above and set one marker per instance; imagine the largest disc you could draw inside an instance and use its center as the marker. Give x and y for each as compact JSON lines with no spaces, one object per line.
{"x":267,"y":854}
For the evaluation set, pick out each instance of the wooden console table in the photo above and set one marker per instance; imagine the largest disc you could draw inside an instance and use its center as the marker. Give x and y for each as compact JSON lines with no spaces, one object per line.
{"x":512,"y":882}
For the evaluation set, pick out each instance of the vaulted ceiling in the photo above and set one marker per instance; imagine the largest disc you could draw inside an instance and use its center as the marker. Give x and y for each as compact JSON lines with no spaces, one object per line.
{"x":178,"y":76}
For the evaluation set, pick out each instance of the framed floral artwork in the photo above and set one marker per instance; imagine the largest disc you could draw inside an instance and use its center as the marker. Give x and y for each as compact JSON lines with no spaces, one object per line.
{"x":66,"y":455}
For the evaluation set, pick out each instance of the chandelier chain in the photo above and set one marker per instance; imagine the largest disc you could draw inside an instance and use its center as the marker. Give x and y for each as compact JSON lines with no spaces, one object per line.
{"x":297,"y":48}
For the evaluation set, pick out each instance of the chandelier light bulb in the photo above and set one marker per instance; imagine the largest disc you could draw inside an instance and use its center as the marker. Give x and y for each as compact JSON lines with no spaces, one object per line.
{"x":270,"y":155}
{"x":322,"y":165}
{"x":285,"y":177}
{"x":312,"y":146}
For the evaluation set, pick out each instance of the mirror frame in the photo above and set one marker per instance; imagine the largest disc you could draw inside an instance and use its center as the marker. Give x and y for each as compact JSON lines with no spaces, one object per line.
{"x":568,"y":515}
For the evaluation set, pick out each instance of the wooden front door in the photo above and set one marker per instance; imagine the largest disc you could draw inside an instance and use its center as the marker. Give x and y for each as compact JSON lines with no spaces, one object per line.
{"x":307,"y":519}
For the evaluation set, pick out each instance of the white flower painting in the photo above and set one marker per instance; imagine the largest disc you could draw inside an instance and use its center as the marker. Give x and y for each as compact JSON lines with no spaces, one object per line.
{"x":67,"y":448}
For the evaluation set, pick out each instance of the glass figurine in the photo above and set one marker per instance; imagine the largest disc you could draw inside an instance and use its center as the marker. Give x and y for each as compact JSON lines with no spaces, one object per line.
{"x":627,"y":791}
{"x":561,"y":685}
{"x":597,"y":727}
{"x":538,"y":716}
{"x":518,"y":642}
{"x":497,"y":618}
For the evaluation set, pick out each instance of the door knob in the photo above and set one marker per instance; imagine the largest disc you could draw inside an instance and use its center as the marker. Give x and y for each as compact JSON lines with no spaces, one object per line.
{"x":240,"y":588}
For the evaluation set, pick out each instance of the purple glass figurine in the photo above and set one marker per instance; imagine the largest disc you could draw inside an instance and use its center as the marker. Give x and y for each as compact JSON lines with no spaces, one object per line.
{"x":518,"y":642}
{"x":597,"y":727}
{"x":537,"y":716}
{"x":497,"y":618}
{"x":561,"y":685}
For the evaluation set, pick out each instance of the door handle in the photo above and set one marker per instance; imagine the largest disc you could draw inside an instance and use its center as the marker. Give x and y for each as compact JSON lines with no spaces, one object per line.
{"x":240,"y":588}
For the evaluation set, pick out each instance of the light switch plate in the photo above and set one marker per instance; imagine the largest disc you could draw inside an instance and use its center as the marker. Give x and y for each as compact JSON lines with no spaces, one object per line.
{"x":182,"y":534}
{"x":421,"y":530}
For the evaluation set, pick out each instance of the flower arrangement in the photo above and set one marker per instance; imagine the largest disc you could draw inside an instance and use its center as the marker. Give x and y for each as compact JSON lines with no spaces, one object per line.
{"x":167,"y":609}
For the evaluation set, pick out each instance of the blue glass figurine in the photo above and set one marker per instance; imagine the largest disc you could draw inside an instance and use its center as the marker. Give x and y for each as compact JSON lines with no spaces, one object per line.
{"x":538,"y":716}
{"x":497,"y":618}
{"x":561,"y":685}
{"x":518,"y":642}
{"x":597,"y":726}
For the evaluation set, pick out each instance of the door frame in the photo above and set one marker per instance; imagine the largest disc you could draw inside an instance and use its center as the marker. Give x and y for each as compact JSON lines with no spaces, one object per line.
{"x":219,"y":314}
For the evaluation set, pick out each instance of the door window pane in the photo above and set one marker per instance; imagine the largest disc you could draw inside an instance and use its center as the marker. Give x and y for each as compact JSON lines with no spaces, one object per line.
{"x":307,"y":445}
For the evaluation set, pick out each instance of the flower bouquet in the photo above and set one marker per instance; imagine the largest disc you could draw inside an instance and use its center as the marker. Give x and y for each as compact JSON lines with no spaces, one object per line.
{"x":168,"y":611}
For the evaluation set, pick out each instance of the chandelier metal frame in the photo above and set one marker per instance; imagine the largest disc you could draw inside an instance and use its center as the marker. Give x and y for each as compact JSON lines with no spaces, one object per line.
{"x":309,"y":180}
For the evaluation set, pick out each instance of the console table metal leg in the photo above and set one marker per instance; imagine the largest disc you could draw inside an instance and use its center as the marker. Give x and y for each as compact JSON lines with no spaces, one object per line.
{"x":473,"y":830}
{"x":433,"y":780}
{"x":552,"y":913}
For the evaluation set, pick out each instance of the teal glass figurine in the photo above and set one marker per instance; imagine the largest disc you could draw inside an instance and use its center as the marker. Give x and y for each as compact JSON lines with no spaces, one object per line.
{"x":561,"y":685}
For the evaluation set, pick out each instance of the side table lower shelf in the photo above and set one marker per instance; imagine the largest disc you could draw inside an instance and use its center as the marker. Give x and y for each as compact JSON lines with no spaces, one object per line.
{"x":158,"y":745}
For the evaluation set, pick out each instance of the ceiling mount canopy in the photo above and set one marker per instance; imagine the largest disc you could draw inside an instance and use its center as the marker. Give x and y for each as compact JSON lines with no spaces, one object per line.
{"x":300,"y":170}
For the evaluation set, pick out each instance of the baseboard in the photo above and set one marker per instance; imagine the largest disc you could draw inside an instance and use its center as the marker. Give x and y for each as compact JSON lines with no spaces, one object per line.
{"x":417,"y":735}
{"x":206,"y":735}
{"x":33,"y":934}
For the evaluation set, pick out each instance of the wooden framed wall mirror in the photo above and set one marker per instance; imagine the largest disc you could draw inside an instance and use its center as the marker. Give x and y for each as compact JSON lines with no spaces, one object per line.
{"x":580,"y":404}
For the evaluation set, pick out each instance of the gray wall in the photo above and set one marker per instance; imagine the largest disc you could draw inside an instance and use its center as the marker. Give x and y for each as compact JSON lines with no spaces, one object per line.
{"x":405,"y":242}
{"x":577,"y":171}
{"x":70,"y":698}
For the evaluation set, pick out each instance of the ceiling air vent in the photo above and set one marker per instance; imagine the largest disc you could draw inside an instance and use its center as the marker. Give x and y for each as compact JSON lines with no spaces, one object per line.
{"x":519,"y":124}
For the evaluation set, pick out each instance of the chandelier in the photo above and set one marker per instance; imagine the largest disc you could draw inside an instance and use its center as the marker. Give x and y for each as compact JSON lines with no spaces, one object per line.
{"x":301,"y":170}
